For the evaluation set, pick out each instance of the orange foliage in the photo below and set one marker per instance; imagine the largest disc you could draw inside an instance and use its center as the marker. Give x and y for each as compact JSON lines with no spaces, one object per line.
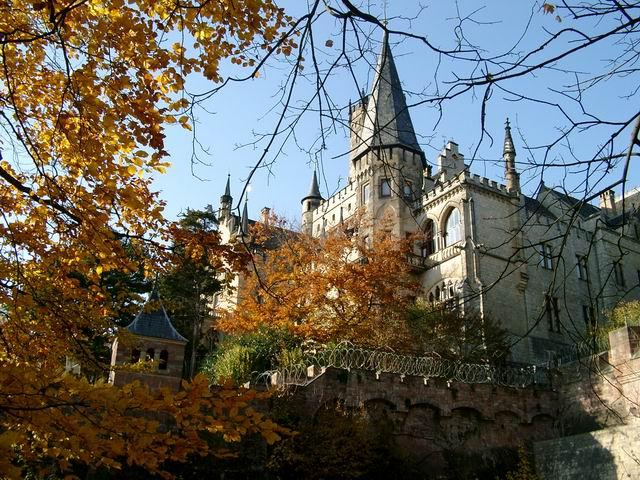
{"x":342,"y":286}
{"x":86,"y":90}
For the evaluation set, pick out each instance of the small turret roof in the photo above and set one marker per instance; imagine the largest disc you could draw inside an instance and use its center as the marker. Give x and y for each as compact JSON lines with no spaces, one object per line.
{"x":154,"y":323}
{"x":314,"y":189}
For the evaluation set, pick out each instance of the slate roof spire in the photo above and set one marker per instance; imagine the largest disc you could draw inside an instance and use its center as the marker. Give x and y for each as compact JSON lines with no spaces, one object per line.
{"x":386,"y":120}
{"x":244,"y":221}
{"x":226,"y":197}
{"x":314,"y":189}
{"x":154,"y":322}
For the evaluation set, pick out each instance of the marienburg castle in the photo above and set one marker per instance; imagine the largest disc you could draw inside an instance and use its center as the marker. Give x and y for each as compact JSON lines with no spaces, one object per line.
{"x":546,"y":266}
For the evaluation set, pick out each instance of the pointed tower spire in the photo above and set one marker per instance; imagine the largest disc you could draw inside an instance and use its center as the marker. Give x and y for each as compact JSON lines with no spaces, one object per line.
{"x":508,"y":141}
{"x":509,"y":155}
{"x":309,"y":204}
{"x":387,"y":122}
{"x":227,"y":188}
{"x":226,"y":200}
{"x":314,"y":189}
{"x":243,"y":229}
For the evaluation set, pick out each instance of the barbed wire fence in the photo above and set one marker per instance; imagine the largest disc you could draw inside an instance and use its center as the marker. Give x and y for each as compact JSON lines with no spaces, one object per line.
{"x":347,"y":356}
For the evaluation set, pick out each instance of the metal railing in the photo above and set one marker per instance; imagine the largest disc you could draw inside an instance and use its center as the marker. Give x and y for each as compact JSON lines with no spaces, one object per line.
{"x":577,"y":351}
{"x":349,"y":357}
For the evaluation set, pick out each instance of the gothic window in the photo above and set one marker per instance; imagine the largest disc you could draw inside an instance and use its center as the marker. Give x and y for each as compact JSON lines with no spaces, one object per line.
{"x":429,"y":244}
{"x":583,"y":273}
{"x":553,"y":313}
{"x":453,"y":232}
{"x":365,"y":193}
{"x":135,"y":355}
{"x":407,"y":190}
{"x":385,"y":188}
{"x":151,"y":354}
{"x":546,"y":256}
{"x":164,"y":360}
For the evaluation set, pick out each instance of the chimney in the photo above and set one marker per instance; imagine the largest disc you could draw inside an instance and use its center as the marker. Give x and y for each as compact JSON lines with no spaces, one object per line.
{"x":264,"y":214}
{"x":608,"y":202}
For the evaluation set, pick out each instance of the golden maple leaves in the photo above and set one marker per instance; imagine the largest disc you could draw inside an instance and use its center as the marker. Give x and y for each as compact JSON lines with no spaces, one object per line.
{"x":343,"y":286}
{"x":86,"y":90}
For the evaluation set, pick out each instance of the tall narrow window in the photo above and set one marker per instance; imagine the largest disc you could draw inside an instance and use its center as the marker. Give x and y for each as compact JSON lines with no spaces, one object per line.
{"x":135,"y":355}
{"x":546,"y":256}
{"x":583,"y":273}
{"x":407,"y":190}
{"x":553,"y":313}
{"x":164,"y":360}
{"x":429,"y":243}
{"x":385,"y":188}
{"x":151,"y":354}
{"x":452,"y":228}
{"x":365,"y":193}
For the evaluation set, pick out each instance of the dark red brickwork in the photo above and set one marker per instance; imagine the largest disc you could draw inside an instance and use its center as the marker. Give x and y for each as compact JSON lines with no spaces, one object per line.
{"x":171,"y":377}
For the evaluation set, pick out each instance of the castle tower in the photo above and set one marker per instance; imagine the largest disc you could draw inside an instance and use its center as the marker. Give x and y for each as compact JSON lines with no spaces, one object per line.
{"x":155,"y":338}
{"x":225,"y":201}
{"x":309,"y":204}
{"x":511,"y":175}
{"x":387,"y":162}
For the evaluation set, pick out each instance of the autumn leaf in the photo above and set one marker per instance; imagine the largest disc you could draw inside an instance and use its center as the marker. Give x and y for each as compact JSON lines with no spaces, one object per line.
{"x":88,"y":89}
{"x":548,"y":8}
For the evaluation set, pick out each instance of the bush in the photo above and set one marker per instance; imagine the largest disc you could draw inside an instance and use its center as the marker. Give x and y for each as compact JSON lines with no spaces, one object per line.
{"x":238,"y":358}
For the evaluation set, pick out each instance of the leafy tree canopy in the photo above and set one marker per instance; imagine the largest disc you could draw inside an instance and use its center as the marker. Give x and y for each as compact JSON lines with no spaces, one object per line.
{"x":86,"y":90}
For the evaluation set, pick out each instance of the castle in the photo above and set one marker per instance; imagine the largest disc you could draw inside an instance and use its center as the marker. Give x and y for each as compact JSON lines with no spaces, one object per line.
{"x":547,"y":267}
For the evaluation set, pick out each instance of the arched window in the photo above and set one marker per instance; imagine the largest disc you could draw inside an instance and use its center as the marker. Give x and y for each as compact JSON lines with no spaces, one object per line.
{"x":452,"y":228}
{"x":164,"y":360}
{"x":429,"y":243}
{"x":135,"y":355}
{"x":151,"y":354}
{"x":437,"y":294}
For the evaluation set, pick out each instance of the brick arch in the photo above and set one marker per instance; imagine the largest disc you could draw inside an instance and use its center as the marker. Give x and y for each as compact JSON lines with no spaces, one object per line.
{"x":328,"y":408}
{"x":462,"y":426}
{"x":422,"y":421}
{"x":379,"y":403}
{"x":541,"y":425}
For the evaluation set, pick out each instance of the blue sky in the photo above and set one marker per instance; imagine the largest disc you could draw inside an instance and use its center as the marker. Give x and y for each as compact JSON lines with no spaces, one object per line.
{"x":231,"y":124}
